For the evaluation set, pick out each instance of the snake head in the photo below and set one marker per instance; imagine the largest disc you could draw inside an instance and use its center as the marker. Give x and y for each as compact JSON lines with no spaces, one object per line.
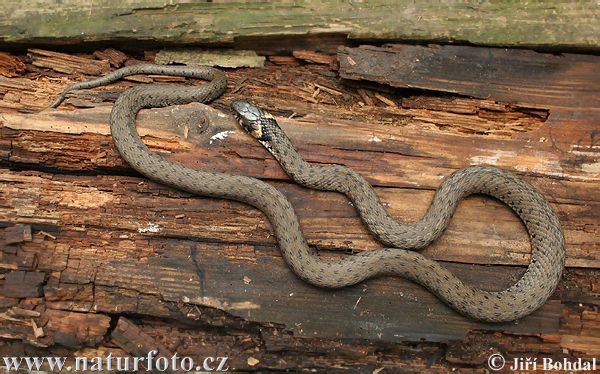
{"x":253,"y":119}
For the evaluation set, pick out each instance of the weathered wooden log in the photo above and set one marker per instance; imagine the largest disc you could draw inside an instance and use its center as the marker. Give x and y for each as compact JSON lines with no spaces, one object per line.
{"x":137,"y":259}
{"x":551,"y":24}
{"x":220,"y":146}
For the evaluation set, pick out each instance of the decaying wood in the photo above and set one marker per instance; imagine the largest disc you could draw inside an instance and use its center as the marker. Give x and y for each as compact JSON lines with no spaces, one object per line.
{"x":541,"y":24}
{"x":68,"y":64}
{"x":154,"y":268}
{"x":115,"y":57}
{"x":237,"y":153}
{"x":10,"y":66}
{"x":17,"y":234}
{"x":312,"y":56}
{"x":520,"y":77}
{"x":20,"y":284}
{"x":284,"y":60}
{"x":136,"y":342}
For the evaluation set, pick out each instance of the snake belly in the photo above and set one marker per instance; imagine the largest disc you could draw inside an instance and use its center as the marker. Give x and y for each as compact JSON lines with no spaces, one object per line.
{"x":530,"y":292}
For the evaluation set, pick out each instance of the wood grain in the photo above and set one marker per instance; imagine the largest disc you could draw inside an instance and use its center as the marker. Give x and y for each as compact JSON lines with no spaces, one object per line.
{"x":145,"y":263}
{"x":551,"y":24}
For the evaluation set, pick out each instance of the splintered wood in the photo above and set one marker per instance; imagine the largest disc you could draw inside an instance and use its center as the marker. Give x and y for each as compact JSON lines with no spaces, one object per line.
{"x":10,"y":66}
{"x":69,"y":64}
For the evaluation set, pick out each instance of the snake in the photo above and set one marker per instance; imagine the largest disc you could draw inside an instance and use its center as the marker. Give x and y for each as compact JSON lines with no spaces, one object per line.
{"x":401,"y":240}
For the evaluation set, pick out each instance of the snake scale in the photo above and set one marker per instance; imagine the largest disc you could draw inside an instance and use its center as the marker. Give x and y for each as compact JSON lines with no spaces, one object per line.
{"x":526,"y":295}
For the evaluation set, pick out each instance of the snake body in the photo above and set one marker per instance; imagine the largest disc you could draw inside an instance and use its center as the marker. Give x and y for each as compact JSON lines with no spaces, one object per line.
{"x":530,"y":292}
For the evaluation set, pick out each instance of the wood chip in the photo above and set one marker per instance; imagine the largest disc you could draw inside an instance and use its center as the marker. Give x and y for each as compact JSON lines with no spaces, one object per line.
{"x":316,"y":92}
{"x":252,"y":361}
{"x":38,"y":332}
{"x":314,"y":57}
{"x":6,"y":317}
{"x":68,"y":64}
{"x":329,"y":90}
{"x":47,"y":235}
{"x":20,"y":84}
{"x":133,"y":340}
{"x":385,"y":100}
{"x":307,"y":97}
{"x":284,"y":60}
{"x":115,"y":57}
{"x":17,"y":312}
{"x":366,"y":98}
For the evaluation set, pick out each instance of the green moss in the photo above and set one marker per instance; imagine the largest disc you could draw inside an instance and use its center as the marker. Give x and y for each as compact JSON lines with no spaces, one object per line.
{"x":505,"y":23}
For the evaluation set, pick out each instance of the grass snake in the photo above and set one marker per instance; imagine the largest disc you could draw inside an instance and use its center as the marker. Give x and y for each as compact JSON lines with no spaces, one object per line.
{"x":531,"y":291}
